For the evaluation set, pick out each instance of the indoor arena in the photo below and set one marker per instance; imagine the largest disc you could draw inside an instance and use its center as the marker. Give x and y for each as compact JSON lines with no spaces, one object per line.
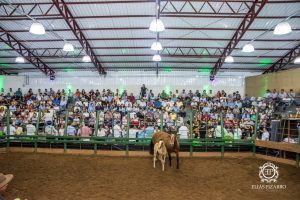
{"x":149,"y":99}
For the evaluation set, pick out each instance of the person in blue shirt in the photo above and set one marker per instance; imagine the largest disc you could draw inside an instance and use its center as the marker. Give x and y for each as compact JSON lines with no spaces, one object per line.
{"x":42,"y":107}
{"x":176,"y":109}
{"x":12,"y":108}
{"x":246,"y":115}
{"x":92,"y":106}
{"x":231,"y":104}
{"x":110,"y":98}
{"x":206,"y":108}
{"x":247,"y":98}
{"x":157,"y":104}
{"x":71,"y":131}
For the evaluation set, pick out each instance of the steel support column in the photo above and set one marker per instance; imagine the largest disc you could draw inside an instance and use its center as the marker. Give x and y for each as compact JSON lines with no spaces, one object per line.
{"x":247,"y":21}
{"x":67,"y":15}
{"x":284,"y":61}
{"x":24,"y":51}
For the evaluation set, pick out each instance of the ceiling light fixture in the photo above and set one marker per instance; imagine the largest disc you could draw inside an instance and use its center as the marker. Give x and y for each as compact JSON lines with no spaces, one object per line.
{"x":20,"y":60}
{"x":68,"y":47}
{"x":229,"y":59}
{"x":156,"y":58}
{"x":156,"y":46}
{"x":157,"y":26}
{"x":297,"y":60}
{"x":282,"y":28}
{"x":86,"y":58}
{"x":37,"y":28}
{"x":248,"y":48}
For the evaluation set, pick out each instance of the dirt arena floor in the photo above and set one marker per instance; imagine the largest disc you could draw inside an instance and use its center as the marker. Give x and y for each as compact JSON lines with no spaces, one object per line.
{"x":61,"y":177}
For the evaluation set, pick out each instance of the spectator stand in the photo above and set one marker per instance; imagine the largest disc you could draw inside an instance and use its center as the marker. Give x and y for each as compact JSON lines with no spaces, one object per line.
{"x":140,"y":138}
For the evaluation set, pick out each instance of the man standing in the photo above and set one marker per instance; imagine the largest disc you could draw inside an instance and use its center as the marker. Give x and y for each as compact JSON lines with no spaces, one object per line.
{"x":71,"y":131}
{"x":183,"y":132}
{"x":143,"y":91}
{"x":85,"y":131}
{"x":30,"y":129}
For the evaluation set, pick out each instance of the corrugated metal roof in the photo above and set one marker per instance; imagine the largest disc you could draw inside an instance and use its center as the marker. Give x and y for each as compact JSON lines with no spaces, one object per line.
{"x":223,"y":26}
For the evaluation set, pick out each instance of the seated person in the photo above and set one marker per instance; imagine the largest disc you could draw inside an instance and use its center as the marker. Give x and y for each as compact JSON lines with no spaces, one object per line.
{"x":117,"y":131}
{"x":50,"y":129}
{"x":265,"y":135}
{"x":237,"y":132}
{"x":183,"y":132}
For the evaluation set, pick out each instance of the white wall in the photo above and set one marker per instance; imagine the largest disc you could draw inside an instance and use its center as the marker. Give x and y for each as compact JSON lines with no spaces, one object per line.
{"x":130,"y":81}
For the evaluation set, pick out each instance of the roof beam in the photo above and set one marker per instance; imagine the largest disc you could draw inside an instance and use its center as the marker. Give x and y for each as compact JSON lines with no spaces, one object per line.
{"x":198,"y":16}
{"x":147,"y":28}
{"x":16,"y":45}
{"x":2,"y":72}
{"x":142,"y":61}
{"x":164,"y":38}
{"x":150,"y":1}
{"x":247,"y":21}
{"x":205,"y":7}
{"x":137,"y":68}
{"x":65,"y":12}
{"x":165,"y":47}
{"x":284,"y":61}
{"x":165,"y":55}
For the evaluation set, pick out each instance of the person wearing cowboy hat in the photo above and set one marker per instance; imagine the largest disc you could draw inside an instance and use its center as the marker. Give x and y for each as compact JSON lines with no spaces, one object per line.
{"x":4,"y":180}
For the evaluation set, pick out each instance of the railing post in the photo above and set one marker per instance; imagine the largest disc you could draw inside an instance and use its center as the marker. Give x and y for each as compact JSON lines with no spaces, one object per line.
{"x":254,"y":134}
{"x":37,"y":126}
{"x":7,"y":130}
{"x":297,"y":155}
{"x":222,"y":134}
{"x":112,"y":124}
{"x":191,"y":133}
{"x":127,"y":133}
{"x":65,"y":131}
{"x":161,"y":120}
{"x":96,"y":130}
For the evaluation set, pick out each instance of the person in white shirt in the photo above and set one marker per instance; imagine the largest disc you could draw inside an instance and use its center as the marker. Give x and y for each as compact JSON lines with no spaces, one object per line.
{"x":12,"y":130}
{"x":117,"y":130}
{"x":63,"y":103}
{"x":282,"y":94}
{"x":196,"y":98}
{"x":142,"y":104}
{"x":237,"y":132}
{"x":133,"y":133}
{"x":48,"y":116}
{"x":29,"y":102}
{"x":265,"y":135}
{"x":30,"y":129}
{"x":183,"y":132}
{"x":179,"y":121}
{"x":218,"y":131}
{"x":274,"y":94}
{"x":61,"y":130}
{"x":50,"y":130}
{"x":101,"y":132}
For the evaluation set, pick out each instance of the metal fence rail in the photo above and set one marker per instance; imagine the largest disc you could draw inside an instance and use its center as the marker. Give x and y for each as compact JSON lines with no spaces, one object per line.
{"x":126,"y":142}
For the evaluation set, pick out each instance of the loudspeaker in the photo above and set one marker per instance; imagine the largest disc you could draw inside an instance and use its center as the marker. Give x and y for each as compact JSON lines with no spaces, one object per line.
{"x":275,"y":130}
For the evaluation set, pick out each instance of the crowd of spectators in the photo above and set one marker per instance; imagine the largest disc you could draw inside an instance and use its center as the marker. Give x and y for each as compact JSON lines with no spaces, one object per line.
{"x":144,"y":113}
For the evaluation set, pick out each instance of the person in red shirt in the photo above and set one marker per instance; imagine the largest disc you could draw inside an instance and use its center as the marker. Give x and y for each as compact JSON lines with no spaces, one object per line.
{"x":206,"y":117}
{"x":131,"y":98}
{"x":77,"y":93}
